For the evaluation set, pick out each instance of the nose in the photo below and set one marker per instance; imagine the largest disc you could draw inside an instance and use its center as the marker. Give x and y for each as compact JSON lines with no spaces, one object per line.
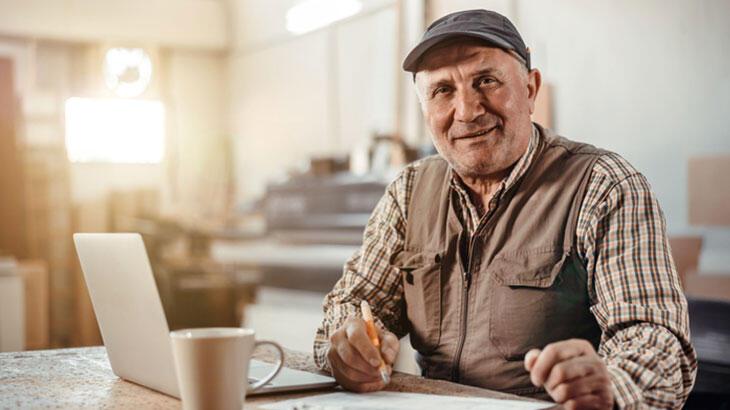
{"x":469,"y":106}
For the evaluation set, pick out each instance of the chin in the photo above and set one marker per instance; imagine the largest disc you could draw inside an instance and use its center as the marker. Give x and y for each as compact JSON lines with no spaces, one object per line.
{"x":480,"y":166}
{"x":475,"y":172}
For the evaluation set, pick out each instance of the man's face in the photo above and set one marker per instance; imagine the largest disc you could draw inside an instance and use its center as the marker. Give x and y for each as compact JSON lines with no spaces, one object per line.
{"x":477,"y":101}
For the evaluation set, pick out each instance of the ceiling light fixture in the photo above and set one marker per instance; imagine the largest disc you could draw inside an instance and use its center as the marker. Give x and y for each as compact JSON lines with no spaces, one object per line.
{"x":127,"y":71}
{"x":310,"y":15}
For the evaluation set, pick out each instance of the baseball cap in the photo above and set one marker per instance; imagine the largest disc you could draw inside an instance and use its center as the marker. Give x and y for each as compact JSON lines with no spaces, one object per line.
{"x":489,"y":26}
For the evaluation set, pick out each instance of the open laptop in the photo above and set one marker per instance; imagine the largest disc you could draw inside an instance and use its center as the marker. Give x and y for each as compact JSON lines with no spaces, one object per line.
{"x":133,"y":324}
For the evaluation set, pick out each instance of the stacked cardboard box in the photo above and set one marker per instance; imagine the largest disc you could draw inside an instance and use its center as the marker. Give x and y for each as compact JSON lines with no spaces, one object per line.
{"x":708,"y":190}
{"x":48,"y":222}
{"x":12,"y":318}
{"x":35,"y":278}
{"x":12,"y":198}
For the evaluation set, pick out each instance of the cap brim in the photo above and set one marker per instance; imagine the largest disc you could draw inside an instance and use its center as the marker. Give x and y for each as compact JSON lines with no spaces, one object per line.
{"x":410,"y":63}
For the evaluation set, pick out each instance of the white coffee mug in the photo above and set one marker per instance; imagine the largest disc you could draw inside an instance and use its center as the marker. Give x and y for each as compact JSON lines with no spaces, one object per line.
{"x":212,"y":366}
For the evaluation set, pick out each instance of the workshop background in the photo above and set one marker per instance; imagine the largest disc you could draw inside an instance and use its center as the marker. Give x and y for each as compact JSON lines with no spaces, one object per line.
{"x":248,"y":141}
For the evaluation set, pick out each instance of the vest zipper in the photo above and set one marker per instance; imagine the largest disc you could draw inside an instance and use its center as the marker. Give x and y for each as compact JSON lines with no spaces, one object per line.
{"x":466,"y":279}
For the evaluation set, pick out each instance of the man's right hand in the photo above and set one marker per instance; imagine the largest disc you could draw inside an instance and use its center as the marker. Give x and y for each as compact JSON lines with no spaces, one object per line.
{"x":353,"y":358}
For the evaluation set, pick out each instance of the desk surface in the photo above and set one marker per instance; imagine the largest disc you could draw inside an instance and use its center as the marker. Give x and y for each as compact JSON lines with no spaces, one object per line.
{"x":76,"y":378}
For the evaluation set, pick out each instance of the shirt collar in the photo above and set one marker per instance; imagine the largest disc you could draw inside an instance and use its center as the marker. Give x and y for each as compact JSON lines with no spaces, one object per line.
{"x":524,"y":162}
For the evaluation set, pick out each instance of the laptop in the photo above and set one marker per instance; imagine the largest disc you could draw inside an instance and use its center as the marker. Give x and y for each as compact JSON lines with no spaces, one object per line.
{"x":133,"y":324}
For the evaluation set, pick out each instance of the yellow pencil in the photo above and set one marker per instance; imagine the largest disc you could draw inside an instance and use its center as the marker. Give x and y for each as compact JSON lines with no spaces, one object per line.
{"x":367,"y":315}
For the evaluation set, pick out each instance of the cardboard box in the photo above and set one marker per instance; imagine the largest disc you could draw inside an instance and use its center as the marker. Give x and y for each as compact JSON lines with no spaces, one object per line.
{"x":686,"y":254}
{"x":35,"y":277}
{"x":12,"y":314}
{"x":13,"y":238}
{"x":708,"y":190}
{"x":708,"y":286}
{"x":543,"y":113}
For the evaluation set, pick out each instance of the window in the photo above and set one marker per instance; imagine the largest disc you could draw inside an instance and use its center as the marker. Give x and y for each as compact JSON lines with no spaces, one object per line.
{"x":115,"y":130}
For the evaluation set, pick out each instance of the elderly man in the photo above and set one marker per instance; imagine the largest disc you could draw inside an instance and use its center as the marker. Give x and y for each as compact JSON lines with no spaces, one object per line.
{"x":517,"y":260}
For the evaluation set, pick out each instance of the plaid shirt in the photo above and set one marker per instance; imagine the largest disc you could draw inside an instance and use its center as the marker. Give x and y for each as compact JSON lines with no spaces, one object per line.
{"x":621,"y":238}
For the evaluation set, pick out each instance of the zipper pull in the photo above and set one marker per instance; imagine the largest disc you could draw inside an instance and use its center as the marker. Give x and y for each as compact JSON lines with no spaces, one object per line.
{"x":467,"y":280}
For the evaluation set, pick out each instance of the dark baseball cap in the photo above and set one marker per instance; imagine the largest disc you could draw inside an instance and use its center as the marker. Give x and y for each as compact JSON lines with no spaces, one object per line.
{"x":489,"y":26}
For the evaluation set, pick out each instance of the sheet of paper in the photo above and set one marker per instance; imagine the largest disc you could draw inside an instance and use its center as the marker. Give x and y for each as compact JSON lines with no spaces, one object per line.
{"x":400,"y":401}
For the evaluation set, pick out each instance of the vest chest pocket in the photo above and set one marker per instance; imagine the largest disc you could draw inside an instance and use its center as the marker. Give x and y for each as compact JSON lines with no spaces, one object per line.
{"x":421,"y":276}
{"x":536,"y":298}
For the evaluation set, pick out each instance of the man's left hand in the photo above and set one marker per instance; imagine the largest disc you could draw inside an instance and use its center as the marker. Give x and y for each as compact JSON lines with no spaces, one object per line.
{"x":572,"y":373}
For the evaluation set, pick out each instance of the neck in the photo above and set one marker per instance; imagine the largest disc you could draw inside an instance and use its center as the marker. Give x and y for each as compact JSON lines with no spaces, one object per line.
{"x":483,"y":187}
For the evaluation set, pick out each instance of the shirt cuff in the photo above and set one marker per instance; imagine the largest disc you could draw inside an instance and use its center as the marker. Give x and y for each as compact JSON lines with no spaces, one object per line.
{"x":626,"y":394}
{"x":323,"y":363}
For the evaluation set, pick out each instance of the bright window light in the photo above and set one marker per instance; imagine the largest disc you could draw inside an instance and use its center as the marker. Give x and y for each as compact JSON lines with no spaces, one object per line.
{"x":115,"y":130}
{"x":310,"y":15}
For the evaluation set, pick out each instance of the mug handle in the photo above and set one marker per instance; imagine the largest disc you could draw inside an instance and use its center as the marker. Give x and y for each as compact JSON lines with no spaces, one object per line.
{"x":279,"y":364}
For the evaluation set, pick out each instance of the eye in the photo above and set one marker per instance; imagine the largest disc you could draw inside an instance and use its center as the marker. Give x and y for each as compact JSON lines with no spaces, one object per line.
{"x":440,"y":90}
{"x":485,"y":81}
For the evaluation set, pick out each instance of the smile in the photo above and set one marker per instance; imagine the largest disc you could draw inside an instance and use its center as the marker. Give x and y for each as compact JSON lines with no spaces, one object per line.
{"x":477,"y":134}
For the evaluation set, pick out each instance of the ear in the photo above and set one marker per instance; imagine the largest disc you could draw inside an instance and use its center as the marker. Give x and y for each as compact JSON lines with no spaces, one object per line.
{"x":534,"y":80}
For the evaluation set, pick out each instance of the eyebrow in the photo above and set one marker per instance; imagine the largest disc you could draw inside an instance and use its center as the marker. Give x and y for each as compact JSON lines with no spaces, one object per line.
{"x":490,"y":70}
{"x":437,"y":84}
{"x":479,"y":73}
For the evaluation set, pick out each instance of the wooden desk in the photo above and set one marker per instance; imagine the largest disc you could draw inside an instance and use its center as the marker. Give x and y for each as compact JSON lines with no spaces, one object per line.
{"x":82,"y":378}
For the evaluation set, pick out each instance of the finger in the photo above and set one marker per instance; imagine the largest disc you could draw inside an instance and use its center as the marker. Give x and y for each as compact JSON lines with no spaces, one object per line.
{"x":363,"y":387}
{"x":369,"y":387}
{"x":588,"y":401}
{"x":352,"y":358}
{"x":352,"y":379}
{"x":575,"y":388}
{"x":389,"y":347}
{"x":349,"y":355}
{"x":358,"y":337}
{"x":346,"y":374}
{"x":353,"y":383}
{"x":570,"y":369}
{"x":530,"y":358}
{"x":555,"y":353}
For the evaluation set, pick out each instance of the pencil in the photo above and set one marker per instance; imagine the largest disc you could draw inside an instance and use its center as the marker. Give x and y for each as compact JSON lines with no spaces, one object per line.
{"x":367,"y":315}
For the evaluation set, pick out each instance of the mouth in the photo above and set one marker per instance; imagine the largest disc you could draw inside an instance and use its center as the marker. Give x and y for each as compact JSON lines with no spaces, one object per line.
{"x":477,"y":134}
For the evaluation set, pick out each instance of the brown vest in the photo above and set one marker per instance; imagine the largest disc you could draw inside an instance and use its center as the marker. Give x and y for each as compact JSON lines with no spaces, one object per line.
{"x":476,"y":305}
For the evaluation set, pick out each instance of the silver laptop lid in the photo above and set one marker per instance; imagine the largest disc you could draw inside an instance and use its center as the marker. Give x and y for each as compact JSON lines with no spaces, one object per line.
{"x":128,"y":308}
{"x":132,"y":320}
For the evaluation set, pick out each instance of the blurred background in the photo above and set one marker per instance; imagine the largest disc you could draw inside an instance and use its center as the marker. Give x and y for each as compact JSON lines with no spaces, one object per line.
{"x":248,"y":141}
